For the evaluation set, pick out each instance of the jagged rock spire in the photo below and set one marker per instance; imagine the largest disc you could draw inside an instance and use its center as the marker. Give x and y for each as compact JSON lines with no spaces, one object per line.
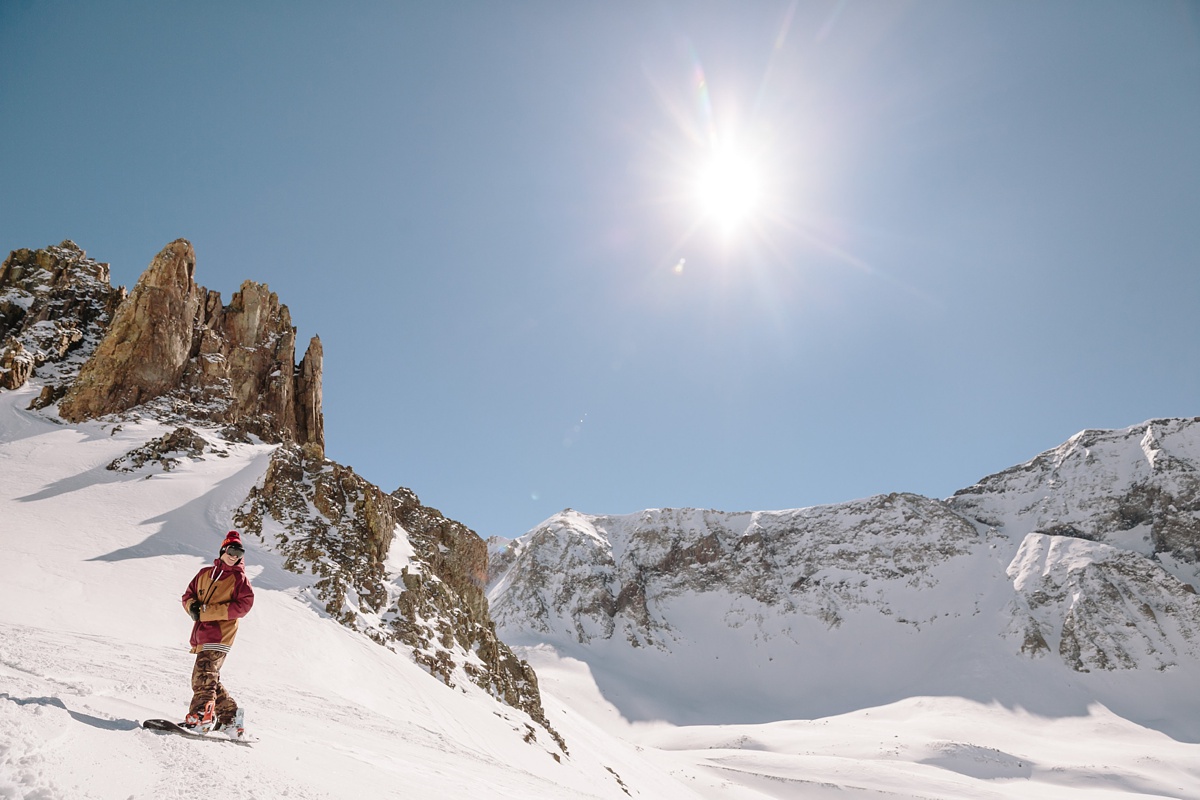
{"x":147,"y":346}
{"x":173,"y":339}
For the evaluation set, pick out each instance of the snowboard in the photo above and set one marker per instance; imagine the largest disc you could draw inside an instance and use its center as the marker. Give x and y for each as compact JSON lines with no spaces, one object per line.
{"x":166,"y":726}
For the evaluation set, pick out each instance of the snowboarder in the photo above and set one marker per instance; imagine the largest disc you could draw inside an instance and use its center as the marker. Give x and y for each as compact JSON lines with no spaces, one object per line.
{"x":216,"y":599}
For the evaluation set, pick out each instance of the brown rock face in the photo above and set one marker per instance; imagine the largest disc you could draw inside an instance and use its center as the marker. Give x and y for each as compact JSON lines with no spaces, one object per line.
{"x":330,"y":522}
{"x":147,"y":346}
{"x":310,"y":422}
{"x":444,"y":601}
{"x":55,"y":304}
{"x":16,"y":365}
{"x":173,"y":339}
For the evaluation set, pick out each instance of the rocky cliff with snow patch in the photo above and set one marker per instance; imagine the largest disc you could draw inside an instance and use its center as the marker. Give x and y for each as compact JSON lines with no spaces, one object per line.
{"x":1107,"y":528}
{"x":1137,"y":489}
{"x":600,"y":577}
{"x":391,"y":568}
{"x":1085,"y":557}
{"x":55,"y":306}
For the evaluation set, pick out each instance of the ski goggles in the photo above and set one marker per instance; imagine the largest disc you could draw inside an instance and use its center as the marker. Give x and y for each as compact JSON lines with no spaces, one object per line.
{"x":235,"y":550}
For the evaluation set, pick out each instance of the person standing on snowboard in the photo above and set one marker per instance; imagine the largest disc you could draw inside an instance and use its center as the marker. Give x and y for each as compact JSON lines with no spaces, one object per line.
{"x":216,"y":599}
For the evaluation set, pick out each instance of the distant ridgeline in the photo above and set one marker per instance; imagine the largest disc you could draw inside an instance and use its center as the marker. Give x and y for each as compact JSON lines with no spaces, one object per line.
{"x":1068,"y":579}
{"x":172,"y":351}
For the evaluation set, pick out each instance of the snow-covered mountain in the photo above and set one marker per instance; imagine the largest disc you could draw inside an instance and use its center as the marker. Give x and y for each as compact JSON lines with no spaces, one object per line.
{"x":1032,"y":637}
{"x":1062,"y":582}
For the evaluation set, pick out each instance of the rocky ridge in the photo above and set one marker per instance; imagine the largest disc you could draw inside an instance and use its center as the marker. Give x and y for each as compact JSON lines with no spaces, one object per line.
{"x":1086,"y":555}
{"x":166,"y":451}
{"x":55,"y":305}
{"x":1136,"y":489}
{"x":598,"y":577}
{"x":393,"y":569}
{"x":385,"y":565}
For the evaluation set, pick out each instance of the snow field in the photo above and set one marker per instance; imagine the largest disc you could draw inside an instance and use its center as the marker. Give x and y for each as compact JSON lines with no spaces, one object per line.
{"x":93,"y":639}
{"x":920,"y":747}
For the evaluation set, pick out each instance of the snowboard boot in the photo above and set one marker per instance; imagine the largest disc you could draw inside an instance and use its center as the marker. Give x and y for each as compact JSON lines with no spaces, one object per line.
{"x":238,"y":729}
{"x":202,"y":722}
{"x":234,"y":728}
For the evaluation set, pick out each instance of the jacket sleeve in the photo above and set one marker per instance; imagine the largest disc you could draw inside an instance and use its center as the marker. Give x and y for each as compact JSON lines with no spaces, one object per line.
{"x":190,"y":594}
{"x":243,"y":598}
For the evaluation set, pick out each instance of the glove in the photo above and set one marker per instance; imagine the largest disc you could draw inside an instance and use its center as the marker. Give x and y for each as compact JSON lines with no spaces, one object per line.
{"x":194,"y":610}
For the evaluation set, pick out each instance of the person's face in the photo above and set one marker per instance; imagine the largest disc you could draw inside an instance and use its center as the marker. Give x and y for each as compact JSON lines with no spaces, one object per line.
{"x":232,"y":554}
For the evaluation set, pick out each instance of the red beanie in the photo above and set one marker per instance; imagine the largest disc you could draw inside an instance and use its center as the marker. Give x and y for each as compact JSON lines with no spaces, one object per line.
{"x":233,"y":537}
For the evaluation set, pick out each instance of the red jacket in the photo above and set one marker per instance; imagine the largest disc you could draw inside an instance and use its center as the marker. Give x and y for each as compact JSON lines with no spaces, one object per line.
{"x":225,"y":596}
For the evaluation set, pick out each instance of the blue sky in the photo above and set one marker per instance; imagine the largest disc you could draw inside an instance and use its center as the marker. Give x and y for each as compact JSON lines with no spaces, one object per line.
{"x":977,"y":227}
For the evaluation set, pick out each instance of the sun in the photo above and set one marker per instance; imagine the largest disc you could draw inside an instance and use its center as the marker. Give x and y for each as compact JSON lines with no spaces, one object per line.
{"x":729,"y":189}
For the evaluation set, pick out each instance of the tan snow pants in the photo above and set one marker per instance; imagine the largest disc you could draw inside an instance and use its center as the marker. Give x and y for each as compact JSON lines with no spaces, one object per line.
{"x":206,"y":686}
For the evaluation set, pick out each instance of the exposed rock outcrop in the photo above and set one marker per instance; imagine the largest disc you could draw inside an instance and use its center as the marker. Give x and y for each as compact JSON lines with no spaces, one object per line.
{"x":444,"y":609}
{"x":55,"y":305}
{"x":166,"y":451}
{"x":600,"y":577}
{"x":172,"y":341}
{"x":1067,"y":591}
{"x":330,"y":522}
{"x":16,"y":365}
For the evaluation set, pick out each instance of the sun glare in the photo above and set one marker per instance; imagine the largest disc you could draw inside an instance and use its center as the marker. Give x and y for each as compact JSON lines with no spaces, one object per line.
{"x":729,"y":190}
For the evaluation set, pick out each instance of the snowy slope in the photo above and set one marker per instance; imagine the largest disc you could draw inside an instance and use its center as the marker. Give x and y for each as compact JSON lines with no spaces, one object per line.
{"x":92,"y":639}
{"x":948,"y":748}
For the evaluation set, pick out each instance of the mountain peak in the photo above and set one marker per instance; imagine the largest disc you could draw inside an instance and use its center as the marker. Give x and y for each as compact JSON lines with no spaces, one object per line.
{"x":1080,"y":561}
{"x":173,"y":341}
